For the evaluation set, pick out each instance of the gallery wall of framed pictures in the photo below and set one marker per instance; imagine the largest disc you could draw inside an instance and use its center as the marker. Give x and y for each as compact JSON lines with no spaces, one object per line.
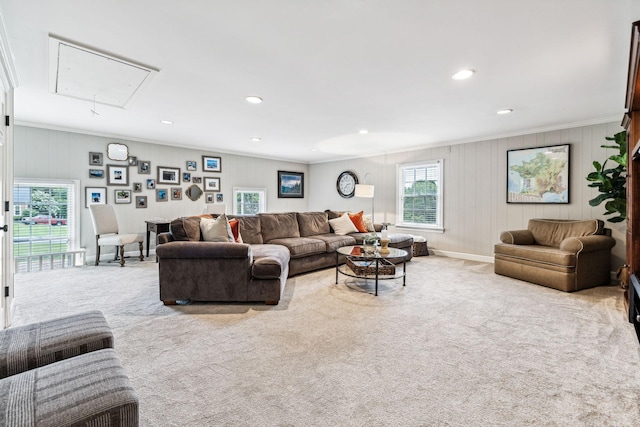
{"x":137,"y":176}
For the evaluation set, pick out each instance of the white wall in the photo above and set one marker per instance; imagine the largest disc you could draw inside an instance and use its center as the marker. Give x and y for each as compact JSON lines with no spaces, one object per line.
{"x":475,"y":207}
{"x":51,"y":154}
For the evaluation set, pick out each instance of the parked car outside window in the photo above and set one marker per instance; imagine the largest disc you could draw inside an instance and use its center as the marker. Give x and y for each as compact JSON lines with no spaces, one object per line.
{"x":44,"y":219}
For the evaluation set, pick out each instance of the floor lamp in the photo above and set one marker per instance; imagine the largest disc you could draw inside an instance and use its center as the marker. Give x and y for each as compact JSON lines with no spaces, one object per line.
{"x":366,"y":191}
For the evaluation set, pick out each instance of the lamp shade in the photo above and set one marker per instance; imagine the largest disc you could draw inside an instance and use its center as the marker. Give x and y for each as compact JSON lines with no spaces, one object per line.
{"x":364,"y":190}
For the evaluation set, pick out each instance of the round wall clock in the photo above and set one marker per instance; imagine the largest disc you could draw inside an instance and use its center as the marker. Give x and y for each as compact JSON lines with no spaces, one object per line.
{"x":346,"y":184}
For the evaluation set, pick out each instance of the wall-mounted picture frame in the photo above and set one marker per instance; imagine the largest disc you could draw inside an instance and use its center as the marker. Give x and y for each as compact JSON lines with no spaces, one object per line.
{"x":167,"y":175}
{"x":209,"y":197}
{"x":538,"y":175}
{"x":137,"y":187}
{"x":192,"y":165}
{"x":132,"y":160}
{"x":95,"y":196}
{"x":186,"y":176}
{"x":176,"y":193}
{"x":219,"y":197}
{"x":122,"y":196}
{"x":95,"y":159}
{"x":117,"y":175}
{"x":162,"y":195}
{"x":196,"y":179}
{"x":211,"y":184}
{"x":211,"y":164}
{"x":290,"y":184}
{"x":151,"y":184}
{"x":141,"y":201}
{"x":144,"y":167}
{"x":96,"y":173}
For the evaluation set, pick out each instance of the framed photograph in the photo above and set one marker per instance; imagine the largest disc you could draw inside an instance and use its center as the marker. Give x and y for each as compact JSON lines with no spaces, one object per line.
{"x":196,"y":180}
{"x":95,"y":196}
{"x":219,"y":197}
{"x":186,"y":176}
{"x":290,"y":184}
{"x":538,"y":175}
{"x":211,"y":164}
{"x":133,"y":161}
{"x":162,"y":195}
{"x":123,"y":196}
{"x":137,"y":187}
{"x":96,"y":173}
{"x":151,"y":184}
{"x":191,"y":165}
{"x":209,"y":197}
{"x":95,"y":159}
{"x":117,"y":175}
{"x":144,"y":167}
{"x":168,"y":175}
{"x":211,"y":184}
{"x":176,"y":193}
{"x":141,"y":201}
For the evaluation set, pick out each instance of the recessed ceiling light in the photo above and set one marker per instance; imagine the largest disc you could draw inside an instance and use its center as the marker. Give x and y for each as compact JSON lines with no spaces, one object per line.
{"x":505,"y":111}
{"x":255,"y":139}
{"x":363,"y":131}
{"x":463,"y":74}
{"x":166,"y":122}
{"x":254,"y":99}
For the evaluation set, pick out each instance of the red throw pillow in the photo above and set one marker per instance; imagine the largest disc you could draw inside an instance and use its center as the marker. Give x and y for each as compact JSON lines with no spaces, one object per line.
{"x":235,"y":229}
{"x":356,"y":219}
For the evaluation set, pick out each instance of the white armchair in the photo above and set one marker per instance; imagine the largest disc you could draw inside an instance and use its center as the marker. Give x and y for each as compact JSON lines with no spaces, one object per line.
{"x":105,"y":225}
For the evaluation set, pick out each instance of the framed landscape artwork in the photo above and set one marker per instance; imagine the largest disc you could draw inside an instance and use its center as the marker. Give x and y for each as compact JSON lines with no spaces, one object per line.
{"x":290,"y":184}
{"x":211,"y":184}
{"x":211,"y":164}
{"x":95,"y":196}
{"x":123,"y":196}
{"x":96,"y":173}
{"x":538,"y":175}
{"x":168,"y":175}
{"x":117,"y":175}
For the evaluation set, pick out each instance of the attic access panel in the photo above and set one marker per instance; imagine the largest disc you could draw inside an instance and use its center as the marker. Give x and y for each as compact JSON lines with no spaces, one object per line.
{"x":83,"y":73}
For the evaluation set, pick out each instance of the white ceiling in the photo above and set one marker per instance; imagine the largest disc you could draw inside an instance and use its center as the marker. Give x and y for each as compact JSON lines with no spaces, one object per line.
{"x":327,"y":69}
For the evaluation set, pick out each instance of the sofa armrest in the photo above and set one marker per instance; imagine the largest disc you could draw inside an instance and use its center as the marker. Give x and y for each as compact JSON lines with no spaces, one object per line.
{"x":206,"y":250}
{"x":587,"y":243}
{"x":517,"y":237}
{"x":164,"y":238}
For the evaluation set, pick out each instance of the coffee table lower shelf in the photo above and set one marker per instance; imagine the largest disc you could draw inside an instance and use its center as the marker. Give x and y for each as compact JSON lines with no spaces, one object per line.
{"x":377,"y":269}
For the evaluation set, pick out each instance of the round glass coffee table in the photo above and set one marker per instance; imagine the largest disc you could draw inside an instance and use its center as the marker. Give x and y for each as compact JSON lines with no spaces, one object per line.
{"x":374,"y":265}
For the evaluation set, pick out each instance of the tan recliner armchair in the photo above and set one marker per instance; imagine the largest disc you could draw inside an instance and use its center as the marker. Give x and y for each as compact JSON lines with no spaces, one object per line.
{"x":568,"y":255}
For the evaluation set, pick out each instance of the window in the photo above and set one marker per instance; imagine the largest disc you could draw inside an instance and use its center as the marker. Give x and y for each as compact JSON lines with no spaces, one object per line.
{"x":249,"y":201}
{"x":420,"y":190}
{"x":44,"y":220}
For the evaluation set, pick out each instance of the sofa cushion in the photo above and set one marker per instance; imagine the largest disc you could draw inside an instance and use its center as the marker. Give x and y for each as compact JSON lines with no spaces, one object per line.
{"x":301,"y":246}
{"x":250,"y":229}
{"x":358,"y":221}
{"x":334,"y":241}
{"x":312,"y":223}
{"x":537,"y":253}
{"x":550,"y":232}
{"x":185,"y":229}
{"x":269,"y":261}
{"x":343,"y":225}
{"x":279,"y":226}
{"x":216,"y":230}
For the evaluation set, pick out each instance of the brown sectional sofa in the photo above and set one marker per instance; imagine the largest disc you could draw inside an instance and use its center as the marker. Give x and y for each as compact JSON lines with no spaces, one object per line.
{"x":275,"y":246}
{"x":568,"y":255}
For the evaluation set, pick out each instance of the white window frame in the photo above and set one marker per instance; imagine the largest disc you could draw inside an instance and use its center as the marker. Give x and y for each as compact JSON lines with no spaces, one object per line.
{"x":262,"y":207}
{"x":439,"y":225}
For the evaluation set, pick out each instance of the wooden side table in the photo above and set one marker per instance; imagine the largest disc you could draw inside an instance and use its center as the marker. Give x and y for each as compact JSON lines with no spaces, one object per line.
{"x":157,"y":226}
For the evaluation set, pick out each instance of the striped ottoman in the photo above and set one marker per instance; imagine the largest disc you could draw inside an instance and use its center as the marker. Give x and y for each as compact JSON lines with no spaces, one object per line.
{"x":89,"y":390}
{"x":38,"y":344}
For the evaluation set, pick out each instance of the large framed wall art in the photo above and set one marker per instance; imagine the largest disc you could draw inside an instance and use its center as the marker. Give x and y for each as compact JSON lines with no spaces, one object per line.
{"x":538,"y":175}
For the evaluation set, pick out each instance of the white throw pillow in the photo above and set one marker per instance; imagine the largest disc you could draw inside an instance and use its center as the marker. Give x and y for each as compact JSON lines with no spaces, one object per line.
{"x":368,"y":223}
{"x":343,"y":225}
{"x":216,"y":230}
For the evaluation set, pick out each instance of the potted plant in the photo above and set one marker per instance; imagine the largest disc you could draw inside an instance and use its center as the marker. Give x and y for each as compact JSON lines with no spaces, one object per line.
{"x":370,"y":241}
{"x":611,"y":182}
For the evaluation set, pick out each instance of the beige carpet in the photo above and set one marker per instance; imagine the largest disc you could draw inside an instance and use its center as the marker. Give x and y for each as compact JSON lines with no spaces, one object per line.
{"x":458,"y":346}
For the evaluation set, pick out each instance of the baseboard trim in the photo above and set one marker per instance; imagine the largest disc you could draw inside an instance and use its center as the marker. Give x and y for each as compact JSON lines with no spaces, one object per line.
{"x":462,"y":255}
